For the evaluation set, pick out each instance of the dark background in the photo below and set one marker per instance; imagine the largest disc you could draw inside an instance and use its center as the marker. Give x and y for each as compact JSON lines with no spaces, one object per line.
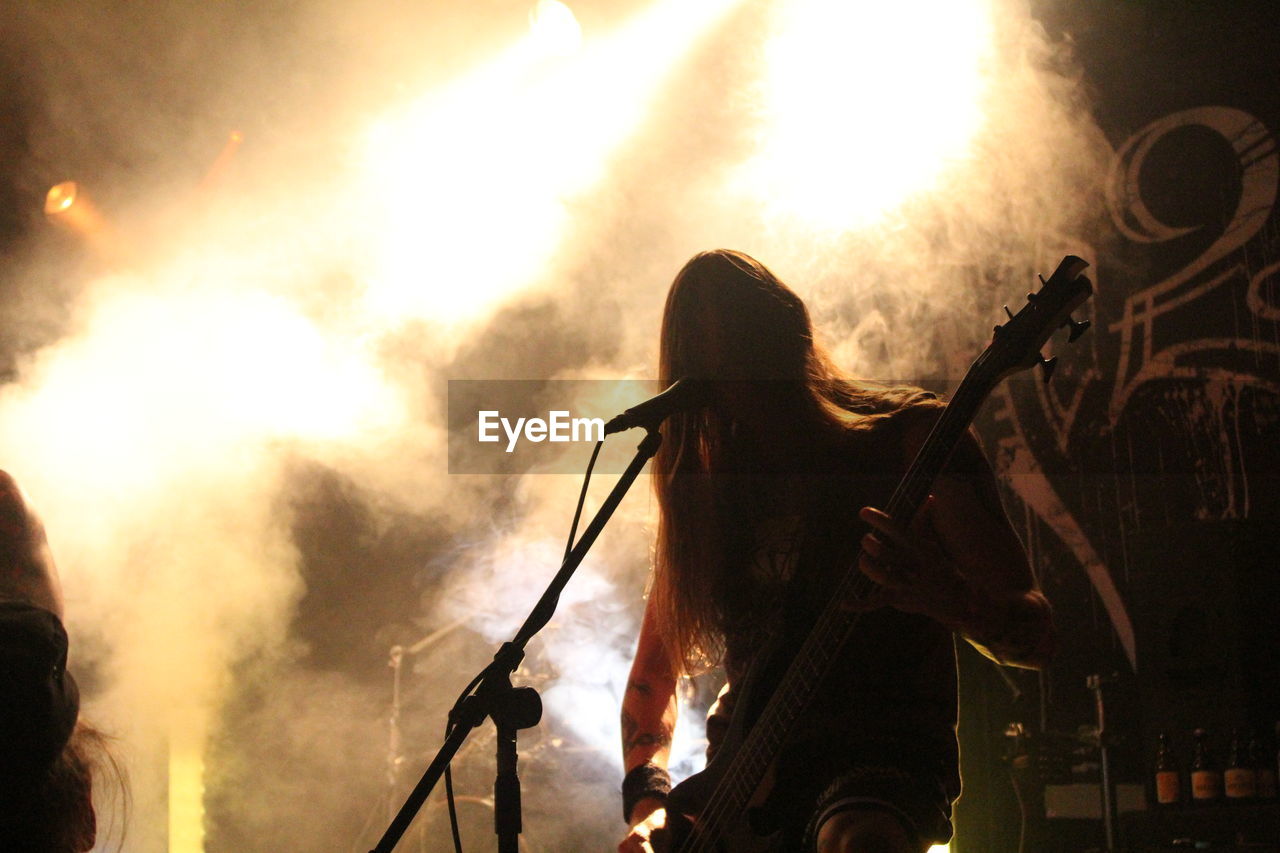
{"x":1175,"y":484}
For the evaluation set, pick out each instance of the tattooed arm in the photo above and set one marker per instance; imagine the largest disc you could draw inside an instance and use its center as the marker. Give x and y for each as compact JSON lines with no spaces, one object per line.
{"x":27,"y":573}
{"x":962,"y":564}
{"x":649,"y":705}
{"x":648,"y":721}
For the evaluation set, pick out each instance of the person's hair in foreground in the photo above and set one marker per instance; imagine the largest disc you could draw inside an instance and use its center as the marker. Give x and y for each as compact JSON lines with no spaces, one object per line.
{"x":52,"y":810}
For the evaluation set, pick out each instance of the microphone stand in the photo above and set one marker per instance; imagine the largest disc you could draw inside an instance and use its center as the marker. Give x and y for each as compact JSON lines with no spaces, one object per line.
{"x":513,"y":708}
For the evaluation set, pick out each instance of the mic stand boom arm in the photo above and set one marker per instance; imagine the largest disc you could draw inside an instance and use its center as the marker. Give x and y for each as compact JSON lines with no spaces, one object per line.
{"x":512,"y":708}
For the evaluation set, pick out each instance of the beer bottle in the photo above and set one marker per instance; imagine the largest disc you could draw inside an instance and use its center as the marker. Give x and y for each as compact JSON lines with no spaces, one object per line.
{"x":1168,"y":779}
{"x":1206,"y":780}
{"x":1241,"y":781}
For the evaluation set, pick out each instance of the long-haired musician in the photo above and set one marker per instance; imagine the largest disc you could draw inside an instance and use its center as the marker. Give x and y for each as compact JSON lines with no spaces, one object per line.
{"x":761,"y":494}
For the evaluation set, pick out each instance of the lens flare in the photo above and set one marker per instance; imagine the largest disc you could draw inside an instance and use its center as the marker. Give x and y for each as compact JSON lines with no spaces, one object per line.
{"x":865,"y":104}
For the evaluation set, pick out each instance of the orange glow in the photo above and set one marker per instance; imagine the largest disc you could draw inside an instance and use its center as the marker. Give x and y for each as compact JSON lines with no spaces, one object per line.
{"x":61,"y":197}
{"x":67,"y":205}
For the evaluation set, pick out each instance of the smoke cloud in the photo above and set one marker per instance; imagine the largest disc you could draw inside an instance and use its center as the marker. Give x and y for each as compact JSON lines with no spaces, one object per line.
{"x":234,"y":419}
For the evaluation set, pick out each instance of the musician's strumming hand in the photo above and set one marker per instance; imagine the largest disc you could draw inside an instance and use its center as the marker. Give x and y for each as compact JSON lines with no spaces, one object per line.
{"x":910,"y":567}
{"x":961,"y":564}
{"x":649,"y":818}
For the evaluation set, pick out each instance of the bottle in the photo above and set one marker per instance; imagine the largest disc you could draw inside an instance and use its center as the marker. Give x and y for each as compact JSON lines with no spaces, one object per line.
{"x":1240,"y":780}
{"x":1206,"y":781}
{"x":1168,"y":779}
{"x":1260,"y":758}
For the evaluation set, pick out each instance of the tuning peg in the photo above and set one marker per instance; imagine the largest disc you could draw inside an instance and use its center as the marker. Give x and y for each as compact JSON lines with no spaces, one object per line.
{"x":1007,"y":312}
{"x":1078,"y":328}
{"x":1031,"y":297}
{"x":1047,"y":365}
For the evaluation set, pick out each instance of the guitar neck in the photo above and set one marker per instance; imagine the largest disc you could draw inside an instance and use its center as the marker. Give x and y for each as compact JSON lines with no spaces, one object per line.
{"x":936,"y":450}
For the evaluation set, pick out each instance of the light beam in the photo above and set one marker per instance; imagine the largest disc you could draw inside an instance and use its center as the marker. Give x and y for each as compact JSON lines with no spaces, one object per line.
{"x":467,"y":187}
{"x":864,"y":105}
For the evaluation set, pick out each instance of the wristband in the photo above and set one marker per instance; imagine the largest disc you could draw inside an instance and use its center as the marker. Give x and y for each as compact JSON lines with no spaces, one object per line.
{"x":644,"y":782}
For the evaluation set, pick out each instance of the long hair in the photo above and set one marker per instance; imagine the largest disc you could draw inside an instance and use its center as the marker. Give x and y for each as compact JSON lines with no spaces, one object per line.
{"x":54,"y":812}
{"x":730,"y":320}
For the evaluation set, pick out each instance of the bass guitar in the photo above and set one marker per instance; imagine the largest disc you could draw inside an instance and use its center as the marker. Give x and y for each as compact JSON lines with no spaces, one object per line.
{"x":777,"y":690}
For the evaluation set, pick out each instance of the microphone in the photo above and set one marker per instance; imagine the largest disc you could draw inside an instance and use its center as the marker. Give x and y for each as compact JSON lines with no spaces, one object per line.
{"x":684,"y":395}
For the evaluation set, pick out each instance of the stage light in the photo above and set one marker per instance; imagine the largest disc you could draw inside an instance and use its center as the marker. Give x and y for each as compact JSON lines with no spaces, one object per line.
{"x":865,"y":104}
{"x":67,"y":205}
{"x":60,"y":197}
{"x":554,"y":29}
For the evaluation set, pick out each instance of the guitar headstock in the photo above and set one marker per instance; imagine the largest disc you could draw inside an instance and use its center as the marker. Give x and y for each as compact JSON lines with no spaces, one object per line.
{"x":1016,"y":344}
